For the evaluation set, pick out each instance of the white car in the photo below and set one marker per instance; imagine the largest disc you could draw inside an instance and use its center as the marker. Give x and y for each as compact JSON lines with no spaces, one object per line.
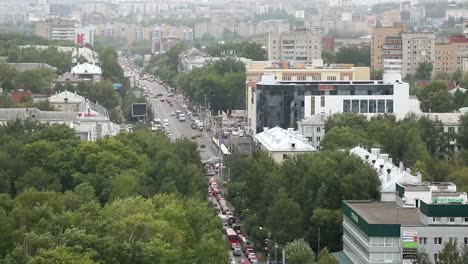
{"x":166,"y":124}
{"x":166,"y":120}
{"x":172,"y":113}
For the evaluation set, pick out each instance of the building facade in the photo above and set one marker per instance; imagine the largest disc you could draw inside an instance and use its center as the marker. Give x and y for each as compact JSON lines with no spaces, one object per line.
{"x":284,"y":103}
{"x":379,"y":37}
{"x":446,"y":59}
{"x":297,"y":46}
{"x":392,"y":53}
{"x":282,"y":144}
{"x":394,"y":232}
{"x":417,"y":49}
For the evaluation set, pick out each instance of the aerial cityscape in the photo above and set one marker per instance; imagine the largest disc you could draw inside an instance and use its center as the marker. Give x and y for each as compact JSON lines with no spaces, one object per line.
{"x":233,"y":131}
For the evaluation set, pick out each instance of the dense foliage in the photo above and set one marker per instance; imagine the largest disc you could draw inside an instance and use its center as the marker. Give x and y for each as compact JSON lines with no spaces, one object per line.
{"x":420,"y":143}
{"x":50,"y":55}
{"x":249,"y":50}
{"x":296,"y":198}
{"x":351,"y":55}
{"x":34,"y":80}
{"x":220,"y":83}
{"x":165,"y":65}
{"x":134,"y":198}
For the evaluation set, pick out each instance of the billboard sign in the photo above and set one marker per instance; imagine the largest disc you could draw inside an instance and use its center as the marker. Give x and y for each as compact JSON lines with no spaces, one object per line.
{"x":79,"y":39}
{"x":325,"y":87}
{"x":409,"y":240}
{"x":139,"y":110}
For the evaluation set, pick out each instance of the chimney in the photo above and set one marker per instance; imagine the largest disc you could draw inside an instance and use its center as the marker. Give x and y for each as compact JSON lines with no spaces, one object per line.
{"x":384,"y":157}
{"x":400,"y":166}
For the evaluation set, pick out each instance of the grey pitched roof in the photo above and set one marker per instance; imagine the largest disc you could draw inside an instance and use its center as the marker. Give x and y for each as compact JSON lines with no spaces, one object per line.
{"x":21,"y":67}
{"x":67,"y":78}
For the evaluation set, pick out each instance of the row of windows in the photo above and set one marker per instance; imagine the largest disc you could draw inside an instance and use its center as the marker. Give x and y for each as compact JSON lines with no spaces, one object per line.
{"x":368,"y":106}
{"x":314,"y":78}
{"x":440,"y":241}
{"x":449,"y":219}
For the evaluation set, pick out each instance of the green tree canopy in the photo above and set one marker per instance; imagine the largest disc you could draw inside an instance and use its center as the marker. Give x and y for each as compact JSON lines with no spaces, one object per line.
{"x":299,"y":252}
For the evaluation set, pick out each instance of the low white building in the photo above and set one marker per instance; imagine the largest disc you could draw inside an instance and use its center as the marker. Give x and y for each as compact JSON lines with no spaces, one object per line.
{"x":89,"y":125}
{"x":91,"y":56}
{"x":313,"y":129}
{"x":87,"y":72}
{"x":282,"y":143}
{"x":389,"y":174}
{"x":67,"y":101}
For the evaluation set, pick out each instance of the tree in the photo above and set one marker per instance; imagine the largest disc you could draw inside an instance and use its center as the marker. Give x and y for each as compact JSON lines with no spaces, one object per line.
{"x":324,"y":257}
{"x":422,"y":258}
{"x":463,"y":136}
{"x":354,"y":55}
{"x":8,"y":76}
{"x":344,"y":137}
{"x":424,"y":71}
{"x":62,"y":255}
{"x":376,"y":74}
{"x":299,"y":252}
{"x":450,"y":254}
{"x":36,"y":80}
{"x":436,"y":98}
{"x":328,"y":57}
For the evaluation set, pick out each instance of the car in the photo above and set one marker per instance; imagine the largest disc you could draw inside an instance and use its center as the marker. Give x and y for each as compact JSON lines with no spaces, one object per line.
{"x":159,"y":94}
{"x":237,"y":251}
{"x":170,"y":104}
{"x":200,"y":128}
{"x":172,"y":113}
{"x":166,"y":120}
{"x":202,"y":146}
{"x":193,"y":126}
{"x":162,"y":99}
{"x":243,"y":261}
{"x":193,"y":137}
{"x":232,"y":261}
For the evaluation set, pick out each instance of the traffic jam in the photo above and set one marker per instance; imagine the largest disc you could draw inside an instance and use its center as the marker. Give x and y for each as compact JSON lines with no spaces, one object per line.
{"x":240,"y":244}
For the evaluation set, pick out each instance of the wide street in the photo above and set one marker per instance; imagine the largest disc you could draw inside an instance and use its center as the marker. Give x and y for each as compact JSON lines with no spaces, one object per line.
{"x":177,"y":128}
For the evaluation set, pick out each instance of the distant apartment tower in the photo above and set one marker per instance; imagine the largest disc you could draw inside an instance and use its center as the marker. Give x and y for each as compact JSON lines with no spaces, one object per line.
{"x":297,"y":46}
{"x":417,"y":48}
{"x":460,"y":42}
{"x":391,"y":17}
{"x":166,"y":36}
{"x":379,"y":36}
{"x":55,"y":28}
{"x":392,"y":53}
{"x":445,"y":58}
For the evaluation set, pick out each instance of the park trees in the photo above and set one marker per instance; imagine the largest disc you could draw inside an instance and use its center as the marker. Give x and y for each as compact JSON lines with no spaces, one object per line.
{"x":66,"y":201}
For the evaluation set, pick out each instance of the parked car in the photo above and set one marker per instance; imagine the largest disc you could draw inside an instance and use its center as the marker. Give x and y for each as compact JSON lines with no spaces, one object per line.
{"x":202,"y":146}
{"x":193,"y":126}
{"x":237,"y":251}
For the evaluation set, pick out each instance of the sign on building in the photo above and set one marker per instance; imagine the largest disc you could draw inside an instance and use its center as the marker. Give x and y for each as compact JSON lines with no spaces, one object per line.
{"x":409,"y":241}
{"x":139,"y":110}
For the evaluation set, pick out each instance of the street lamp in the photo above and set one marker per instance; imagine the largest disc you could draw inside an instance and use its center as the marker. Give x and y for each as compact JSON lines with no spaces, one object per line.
{"x":269,"y":239}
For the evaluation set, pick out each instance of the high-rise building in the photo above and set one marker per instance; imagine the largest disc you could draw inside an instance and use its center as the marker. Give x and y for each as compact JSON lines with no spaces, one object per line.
{"x":417,"y":48}
{"x":392,"y":53}
{"x":296,"y":46}
{"x":379,"y":36}
{"x":445,"y":58}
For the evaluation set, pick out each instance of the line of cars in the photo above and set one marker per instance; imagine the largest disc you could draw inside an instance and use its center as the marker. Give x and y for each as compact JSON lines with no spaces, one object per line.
{"x":233,"y":230}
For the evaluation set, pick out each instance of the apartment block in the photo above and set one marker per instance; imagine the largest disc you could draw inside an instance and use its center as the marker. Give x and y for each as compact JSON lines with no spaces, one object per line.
{"x":217,"y":27}
{"x":298,"y":46}
{"x":460,"y":42}
{"x":391,"y":17}
{"x":445,"y":58}
{"x":417,"y":48}
{"x":392,"y":53}
{"x":55,"y":28}
{"x":379,"y":36}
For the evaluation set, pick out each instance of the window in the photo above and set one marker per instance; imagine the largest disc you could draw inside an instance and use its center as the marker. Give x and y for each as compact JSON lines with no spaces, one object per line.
{"x":423,"y":240}
{"x":389,"y":106}
{"x":301,"y":78}
{"x":363,"y":107}
{"x":318,"y":139}
{"x":309,"y":139}
{"x":435,"y":219}
{"x":451,"y":129}
{"x":355,"y":106}
{"x":331,"y":78}
{"x":437,"y":241}
{"x":436,"y":257}
{"x":372,"y":106}
{"x":452,"y":219}
{"x":319,"y":129}
{"x":322,"y":101}
{"x":286,"y":78}
{"x":465,"y":219}
{"x":381,"y":106}
{"x":347,"y":106}
{"x":285,"y":156}
{"x":465,"y":240}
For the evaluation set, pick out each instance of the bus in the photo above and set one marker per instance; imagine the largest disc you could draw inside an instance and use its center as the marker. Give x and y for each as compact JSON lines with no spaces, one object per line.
{"x":232,"y":236}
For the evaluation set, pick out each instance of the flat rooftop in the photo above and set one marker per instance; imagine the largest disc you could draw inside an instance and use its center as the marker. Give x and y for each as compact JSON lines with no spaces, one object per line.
{"x":385,"y":213}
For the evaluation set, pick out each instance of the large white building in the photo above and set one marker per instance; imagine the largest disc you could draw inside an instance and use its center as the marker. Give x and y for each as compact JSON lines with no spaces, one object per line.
{"x":284,"y":103}
{"x":282,"y":143}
